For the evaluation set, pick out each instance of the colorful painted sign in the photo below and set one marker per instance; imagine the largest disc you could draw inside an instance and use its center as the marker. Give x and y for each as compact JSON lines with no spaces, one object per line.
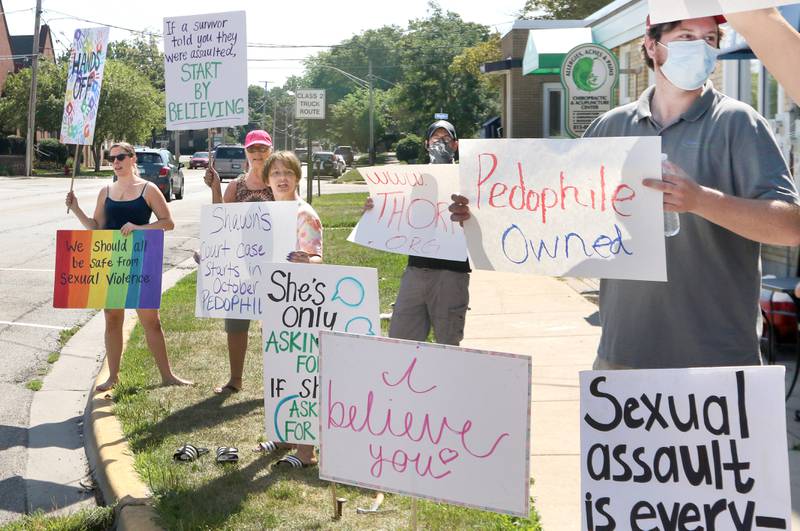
{"x":410,"y":215}
{"x":302,"y":300}
{"x":205,"y":70}
{"x":669,"y":10}
{"x":684,"y":449}
{"x":564,"y":207}
{"x":87,"y":59}
{"x":439,"y":422}
{"x":104,"y":269}
{"x":237,"y":243}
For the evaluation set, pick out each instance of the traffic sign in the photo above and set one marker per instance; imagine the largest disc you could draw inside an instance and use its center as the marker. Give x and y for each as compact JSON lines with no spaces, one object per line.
{"x":440,"y":116}
{"x":310,"y":104}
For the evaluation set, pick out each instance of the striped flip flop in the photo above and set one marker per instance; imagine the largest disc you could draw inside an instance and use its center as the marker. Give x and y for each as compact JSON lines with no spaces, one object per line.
{"x":227,"y":454}
{"x":188,"y":452}
{"x":293,"y":462}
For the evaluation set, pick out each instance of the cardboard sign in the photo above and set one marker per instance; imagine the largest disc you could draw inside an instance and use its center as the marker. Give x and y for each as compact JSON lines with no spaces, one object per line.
{"x":205,"y":70}
{"x":684,"y":449}
{"x":434,"y":421}
{"x":87,"y":59}
{"x":104,"y":269}
{"x":302,"y":300}
{"x":237,"y":242}
{"x":670,"y":10}
{"x":564,"y":207}
{"x":410,"y":215}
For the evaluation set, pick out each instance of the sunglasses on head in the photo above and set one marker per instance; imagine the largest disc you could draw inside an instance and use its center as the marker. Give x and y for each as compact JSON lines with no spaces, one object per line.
{"x":120,"y":157}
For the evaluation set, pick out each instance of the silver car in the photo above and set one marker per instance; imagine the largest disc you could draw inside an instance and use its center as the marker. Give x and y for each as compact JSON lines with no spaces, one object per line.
{"x":229,"y":161}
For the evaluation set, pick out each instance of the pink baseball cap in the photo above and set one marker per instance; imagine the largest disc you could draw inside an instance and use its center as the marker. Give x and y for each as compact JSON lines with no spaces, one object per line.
{"x":719,"y":19}
{"x":257,"y":136}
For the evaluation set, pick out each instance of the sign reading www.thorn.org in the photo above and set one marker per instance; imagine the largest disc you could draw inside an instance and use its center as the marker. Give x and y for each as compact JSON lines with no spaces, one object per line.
{"x":310,"y":104}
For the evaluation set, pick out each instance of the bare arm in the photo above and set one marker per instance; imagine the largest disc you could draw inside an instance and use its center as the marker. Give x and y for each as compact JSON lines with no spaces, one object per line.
{"x":212,"y":180}
{"x":774,"y":41}
{"x":92,"y":223}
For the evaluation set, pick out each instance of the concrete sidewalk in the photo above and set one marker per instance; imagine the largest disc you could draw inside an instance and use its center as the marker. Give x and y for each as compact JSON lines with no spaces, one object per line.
{"x":548,"y":319}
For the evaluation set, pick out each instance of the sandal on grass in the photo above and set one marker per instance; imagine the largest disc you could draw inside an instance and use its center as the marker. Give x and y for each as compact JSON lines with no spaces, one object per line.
{"x":188,"y":452}
{"x":268,"y":447}
{"x":294,"y":462}
{"x":227,"y":454}
{"x":226,"y":389}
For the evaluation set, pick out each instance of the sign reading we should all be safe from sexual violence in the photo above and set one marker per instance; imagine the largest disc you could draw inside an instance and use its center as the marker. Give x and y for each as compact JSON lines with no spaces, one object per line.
{"x":564,"y":207}
{"x":697,"y":448}
{"x":104,"y":269}
{"x":410,"y":213}
{"x":301,"y":300}
{"x":87,"y":60}
{"x":205,"y":70}
{"x":434,"y":421}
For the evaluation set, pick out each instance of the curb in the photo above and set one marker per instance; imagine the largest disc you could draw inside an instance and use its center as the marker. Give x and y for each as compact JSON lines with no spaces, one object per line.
{"x":106,"y":447}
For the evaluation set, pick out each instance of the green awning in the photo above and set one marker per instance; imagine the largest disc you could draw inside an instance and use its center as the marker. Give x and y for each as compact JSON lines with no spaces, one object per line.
{"x":546,"y":49}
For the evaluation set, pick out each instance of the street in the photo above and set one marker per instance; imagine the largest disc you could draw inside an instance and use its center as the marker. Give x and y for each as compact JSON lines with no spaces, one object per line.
{"x":29,"y":326}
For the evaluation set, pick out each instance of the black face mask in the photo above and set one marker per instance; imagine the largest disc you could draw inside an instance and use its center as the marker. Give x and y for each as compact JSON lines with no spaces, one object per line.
{"x":440,"y":152}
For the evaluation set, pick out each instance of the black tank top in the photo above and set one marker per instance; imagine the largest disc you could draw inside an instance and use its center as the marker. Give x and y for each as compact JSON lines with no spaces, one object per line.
{"x":135,"y":211}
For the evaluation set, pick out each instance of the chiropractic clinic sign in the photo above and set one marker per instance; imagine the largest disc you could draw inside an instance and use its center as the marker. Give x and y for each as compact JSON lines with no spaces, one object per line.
{"x":589,"y":74}
{"x":205,"y":70}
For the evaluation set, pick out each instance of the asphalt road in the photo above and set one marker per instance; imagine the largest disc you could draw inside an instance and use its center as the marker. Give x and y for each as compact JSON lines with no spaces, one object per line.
{"x":32,"y":211}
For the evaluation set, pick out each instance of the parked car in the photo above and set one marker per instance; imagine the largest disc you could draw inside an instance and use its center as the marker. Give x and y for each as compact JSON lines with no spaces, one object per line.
{"x":347,"y":154}
{"x":327,"y":163}
{"x":302,"y":154}
{"x":199,"y":160}
{"x":779,"y":310}
{"x":230,"y":161}
{"x":160,"y":167}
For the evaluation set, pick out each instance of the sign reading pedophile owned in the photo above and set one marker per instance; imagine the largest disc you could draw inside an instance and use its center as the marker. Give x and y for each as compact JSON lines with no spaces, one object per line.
{"x":302,"y":300}
{"x":237,"y":243}
{"x":87,"y":60}
{"x":410,"y":213}
{"x":104,"y":269}
{"x":684,"y":449}
{"x":434,"y":421}
{"x":671,"y":10}
{"x":564,"y":207}
{"x":205,"y":70}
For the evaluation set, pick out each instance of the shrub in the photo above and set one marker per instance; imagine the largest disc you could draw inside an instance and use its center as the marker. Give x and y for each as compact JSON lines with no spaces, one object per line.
{"x":12,"y":145}
{"x":411,"y":149}
{"x":51,"y":150}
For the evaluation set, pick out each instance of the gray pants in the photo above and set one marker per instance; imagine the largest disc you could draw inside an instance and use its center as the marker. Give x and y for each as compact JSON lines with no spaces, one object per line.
{"x":431,"y":297}
{"x":601,"y":364}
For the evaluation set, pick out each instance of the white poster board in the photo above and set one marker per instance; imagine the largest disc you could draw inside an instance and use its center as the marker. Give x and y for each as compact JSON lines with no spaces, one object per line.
{"x":670,"y":10}
{"x":701,"y":448}
{"x":302,"y":300}
{"x":205,"y":70}
{"x":564,"y":207}
{"x":432,"y":421}
{"x":237,"y":242}
{"x":410,"y":213}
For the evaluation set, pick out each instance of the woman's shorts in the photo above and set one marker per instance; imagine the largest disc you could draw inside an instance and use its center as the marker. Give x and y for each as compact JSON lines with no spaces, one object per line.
{"x":237,"y":325}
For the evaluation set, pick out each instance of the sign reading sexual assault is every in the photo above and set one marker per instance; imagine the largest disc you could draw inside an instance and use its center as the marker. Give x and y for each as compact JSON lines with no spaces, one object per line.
{"x":237,"y":242}
{"x":205,"y":70}
{"x":684,"y":449}
{"x":410,"y":213}
{"x":564,"y":207}
{"x":434,"y":421}
{"x":302,"y":300}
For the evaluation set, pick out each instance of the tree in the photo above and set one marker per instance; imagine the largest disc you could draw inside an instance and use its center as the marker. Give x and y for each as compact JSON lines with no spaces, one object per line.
{"x":561,"y":9}
{"x":143,"y":55}
{"x":349,"y":118}
{"x":51,"y":86}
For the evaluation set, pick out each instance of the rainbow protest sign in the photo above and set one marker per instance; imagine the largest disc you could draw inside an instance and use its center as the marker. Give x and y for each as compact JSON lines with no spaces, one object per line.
{"x":82,"y":98}
{"x":104,"y":269}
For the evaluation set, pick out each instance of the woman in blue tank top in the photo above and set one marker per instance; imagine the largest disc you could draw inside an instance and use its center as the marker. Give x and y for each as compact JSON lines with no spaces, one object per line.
{"x":127,"y":205}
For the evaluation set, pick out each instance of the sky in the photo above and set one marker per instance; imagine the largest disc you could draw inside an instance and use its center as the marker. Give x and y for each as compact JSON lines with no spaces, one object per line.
{"x":312,"y":22}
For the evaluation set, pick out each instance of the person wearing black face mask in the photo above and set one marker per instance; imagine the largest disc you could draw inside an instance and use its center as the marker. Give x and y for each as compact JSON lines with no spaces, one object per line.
{"x":433,"y":293}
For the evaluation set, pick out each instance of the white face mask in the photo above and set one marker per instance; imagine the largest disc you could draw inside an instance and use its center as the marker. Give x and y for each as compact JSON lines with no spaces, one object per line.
{"x":689,"y":63}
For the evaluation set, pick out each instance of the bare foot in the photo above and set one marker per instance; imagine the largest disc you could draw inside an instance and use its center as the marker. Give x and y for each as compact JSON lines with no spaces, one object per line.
{"x":106,"y":386}
{"x":175,"y":380}
{"x":234,"y":385}
{"x":305,"y":453}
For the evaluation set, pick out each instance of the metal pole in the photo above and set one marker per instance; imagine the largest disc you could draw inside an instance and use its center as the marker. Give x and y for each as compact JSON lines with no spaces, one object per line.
{"x":286,"y":128}
{"x":275,"y":123}
{"x":371,"y":118}
{"x":309,"y":167}
{"x":32,"y":100}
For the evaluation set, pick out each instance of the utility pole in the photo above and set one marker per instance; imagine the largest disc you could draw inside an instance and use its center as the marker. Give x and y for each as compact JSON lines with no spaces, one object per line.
{"x":371,"y":118}
{"x":286,"y":129}
{"x":32,"y":100}
{"x":275,"y":124}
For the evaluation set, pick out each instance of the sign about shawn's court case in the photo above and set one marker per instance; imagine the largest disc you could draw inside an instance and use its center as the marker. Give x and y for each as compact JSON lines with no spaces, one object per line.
{"x":684,"y":449}
{"x":205,"y":70}
{"x":301,"y":300}
{"x":564,"y":207}
{"x":410,"y":213}
{"x":433,"y":421}
{"x":237,"y":243}
{"x":104,"y":269}
{"x":670,"y":10}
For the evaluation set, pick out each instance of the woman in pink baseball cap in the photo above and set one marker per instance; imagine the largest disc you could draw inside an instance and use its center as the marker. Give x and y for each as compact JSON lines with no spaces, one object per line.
{"x":249,"y":186}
